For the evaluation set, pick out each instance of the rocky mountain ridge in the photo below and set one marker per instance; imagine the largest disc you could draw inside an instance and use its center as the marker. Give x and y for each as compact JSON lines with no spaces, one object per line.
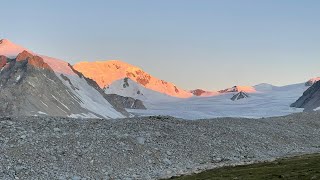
{"x":33,"y":84}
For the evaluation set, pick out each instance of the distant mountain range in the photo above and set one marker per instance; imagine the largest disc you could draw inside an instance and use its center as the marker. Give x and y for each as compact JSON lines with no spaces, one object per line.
{"x":37,"y":85}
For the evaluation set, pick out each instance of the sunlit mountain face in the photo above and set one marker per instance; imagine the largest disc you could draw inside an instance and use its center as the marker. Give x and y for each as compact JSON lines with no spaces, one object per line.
{"x":107,"y":72}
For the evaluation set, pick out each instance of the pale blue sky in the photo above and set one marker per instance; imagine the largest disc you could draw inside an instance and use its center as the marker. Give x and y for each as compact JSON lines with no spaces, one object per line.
{"x":207,"y":44}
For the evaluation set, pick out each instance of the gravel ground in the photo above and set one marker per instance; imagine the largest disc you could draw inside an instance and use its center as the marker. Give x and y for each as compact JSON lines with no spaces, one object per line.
{"x":146,"y":148}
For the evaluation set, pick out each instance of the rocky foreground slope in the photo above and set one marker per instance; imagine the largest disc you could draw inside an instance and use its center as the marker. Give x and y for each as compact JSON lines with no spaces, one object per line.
{"x":146,"y":148}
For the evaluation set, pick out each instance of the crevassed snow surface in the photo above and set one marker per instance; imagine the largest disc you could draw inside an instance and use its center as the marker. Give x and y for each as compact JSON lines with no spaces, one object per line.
{"x":273,"y":101}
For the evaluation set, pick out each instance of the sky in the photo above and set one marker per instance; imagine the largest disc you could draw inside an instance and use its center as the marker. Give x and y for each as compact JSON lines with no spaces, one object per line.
{"x":208,"y":44}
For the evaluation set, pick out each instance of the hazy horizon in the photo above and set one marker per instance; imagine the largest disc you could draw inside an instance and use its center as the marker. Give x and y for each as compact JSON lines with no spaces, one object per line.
{"x":209,"y":44}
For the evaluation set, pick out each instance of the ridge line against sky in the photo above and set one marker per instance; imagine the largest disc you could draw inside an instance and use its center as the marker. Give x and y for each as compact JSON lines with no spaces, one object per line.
{"x":194,"y":44}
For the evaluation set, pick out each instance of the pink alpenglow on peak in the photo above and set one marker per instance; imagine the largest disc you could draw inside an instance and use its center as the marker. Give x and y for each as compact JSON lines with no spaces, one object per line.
{"x":10,"y":50}
{"x":106,"y":72}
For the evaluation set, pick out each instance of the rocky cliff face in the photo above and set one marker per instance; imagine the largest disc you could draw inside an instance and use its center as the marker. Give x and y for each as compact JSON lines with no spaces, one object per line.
{"x":310,"y":99}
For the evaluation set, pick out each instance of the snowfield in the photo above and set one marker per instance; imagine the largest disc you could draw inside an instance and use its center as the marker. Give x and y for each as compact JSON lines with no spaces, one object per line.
{"x":146,"y":148}
{"x":268,"y":101}
{"x":265,"y":100}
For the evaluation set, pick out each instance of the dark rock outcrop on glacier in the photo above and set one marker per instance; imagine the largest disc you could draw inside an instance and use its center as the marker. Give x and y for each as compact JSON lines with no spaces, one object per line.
{"x":239,"y":95}
{"x":310,"y":99}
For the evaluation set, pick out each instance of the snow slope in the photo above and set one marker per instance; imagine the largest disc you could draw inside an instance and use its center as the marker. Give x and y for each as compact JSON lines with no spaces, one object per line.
{"x":275,"y":102}
{"x":106,"y":72}
{"x":88,"y":96}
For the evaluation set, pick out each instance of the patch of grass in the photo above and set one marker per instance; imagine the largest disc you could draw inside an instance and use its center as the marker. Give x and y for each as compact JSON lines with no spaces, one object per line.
{"x":299,"y":167}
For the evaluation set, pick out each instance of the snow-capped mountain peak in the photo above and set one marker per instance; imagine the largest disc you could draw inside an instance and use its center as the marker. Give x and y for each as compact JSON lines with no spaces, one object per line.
{"x":107,"y":72}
